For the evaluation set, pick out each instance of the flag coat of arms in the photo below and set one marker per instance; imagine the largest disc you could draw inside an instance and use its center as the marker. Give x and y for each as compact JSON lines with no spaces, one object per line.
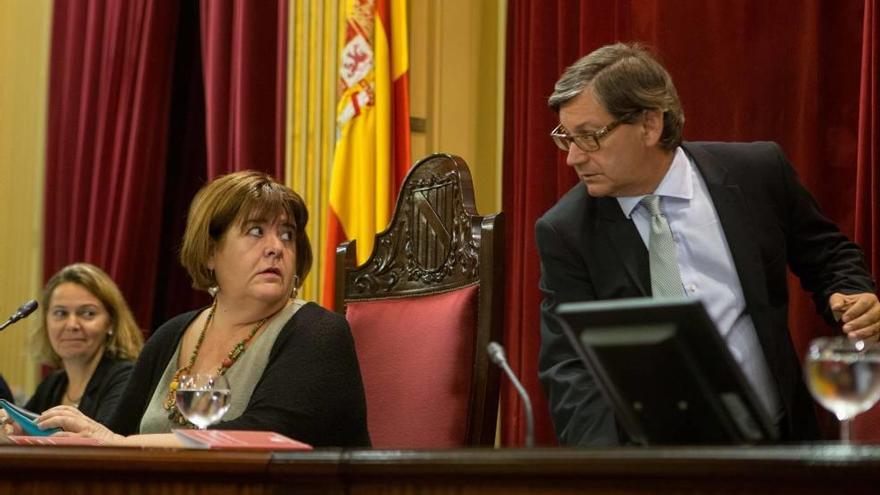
{"x":372,"y":125}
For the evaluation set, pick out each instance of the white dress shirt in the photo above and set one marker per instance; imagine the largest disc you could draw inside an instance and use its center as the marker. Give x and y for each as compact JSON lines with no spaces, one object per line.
{"x":707,"y":269}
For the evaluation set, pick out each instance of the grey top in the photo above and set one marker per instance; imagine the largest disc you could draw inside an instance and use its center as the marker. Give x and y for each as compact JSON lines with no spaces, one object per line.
{"x":242,"y":376}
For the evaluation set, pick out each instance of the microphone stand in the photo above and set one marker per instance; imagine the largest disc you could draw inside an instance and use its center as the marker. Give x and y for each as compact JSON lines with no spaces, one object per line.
{"x":496,"y":354}
{"x":22,"y":312}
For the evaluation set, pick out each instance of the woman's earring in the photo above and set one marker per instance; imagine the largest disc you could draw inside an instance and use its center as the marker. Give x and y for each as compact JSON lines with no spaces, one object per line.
{"x":214,"y":289}
{"x":295,"y":290}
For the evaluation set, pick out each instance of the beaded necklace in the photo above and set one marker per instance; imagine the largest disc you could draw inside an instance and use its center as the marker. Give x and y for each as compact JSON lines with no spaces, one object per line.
{"x":170,"y":403}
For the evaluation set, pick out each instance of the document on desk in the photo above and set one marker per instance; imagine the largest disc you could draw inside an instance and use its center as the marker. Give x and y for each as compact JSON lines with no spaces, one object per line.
{"x":26,"y":419}
{"x":238,"y":440}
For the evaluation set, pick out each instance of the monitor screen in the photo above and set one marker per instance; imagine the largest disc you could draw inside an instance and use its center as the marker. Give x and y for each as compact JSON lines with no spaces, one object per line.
{"x":667,"y":372}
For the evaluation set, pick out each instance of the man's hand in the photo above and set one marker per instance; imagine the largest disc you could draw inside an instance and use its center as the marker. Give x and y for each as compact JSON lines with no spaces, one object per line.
{"x":860,"y":314}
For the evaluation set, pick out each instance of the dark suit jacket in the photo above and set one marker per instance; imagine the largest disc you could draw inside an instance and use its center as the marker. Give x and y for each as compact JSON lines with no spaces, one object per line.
{"x":100,"y":397}
{"x":590,"y":251}
{"x":5,"y":393}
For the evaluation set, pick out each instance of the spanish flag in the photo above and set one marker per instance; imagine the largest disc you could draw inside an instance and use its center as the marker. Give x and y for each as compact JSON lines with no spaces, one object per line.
{"x":372,"y":124}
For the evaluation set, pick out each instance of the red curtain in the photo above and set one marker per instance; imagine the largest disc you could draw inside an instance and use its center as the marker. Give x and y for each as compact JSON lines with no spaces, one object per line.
{"x":243,"y":52}
{"x":536,"y":54}
{"x":867,"y":220}
{"x":745,"y":70}
{"x":227,"y":115}
{"x":138,"y":122}
{"x":111,"y":63}
{"x":185,"y":168}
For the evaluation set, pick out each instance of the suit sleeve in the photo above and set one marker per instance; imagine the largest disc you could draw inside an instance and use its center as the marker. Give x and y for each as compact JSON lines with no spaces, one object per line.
{"x":824,"y":260}
{"x":581,"y":415}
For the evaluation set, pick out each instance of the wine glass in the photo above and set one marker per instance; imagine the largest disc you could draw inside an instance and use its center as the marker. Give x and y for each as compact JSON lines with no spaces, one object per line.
{"x":844,"y":376}
{"x":203,"y":398}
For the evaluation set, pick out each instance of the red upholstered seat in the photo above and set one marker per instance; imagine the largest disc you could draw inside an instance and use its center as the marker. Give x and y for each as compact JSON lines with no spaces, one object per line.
{"x":415,"y":348}
{"x":422,"y":310}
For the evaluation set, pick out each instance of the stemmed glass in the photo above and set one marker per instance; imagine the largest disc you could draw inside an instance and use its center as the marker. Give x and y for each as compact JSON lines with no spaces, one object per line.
{"x":844,"y":376}
{"x":203,"y":398}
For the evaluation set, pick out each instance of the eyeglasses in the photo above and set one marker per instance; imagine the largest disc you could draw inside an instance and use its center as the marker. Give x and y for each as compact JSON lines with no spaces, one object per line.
{"x":587,"y":141}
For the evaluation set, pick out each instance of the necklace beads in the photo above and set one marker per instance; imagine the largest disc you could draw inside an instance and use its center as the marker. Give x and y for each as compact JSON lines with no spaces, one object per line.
{"x":170,"y":403}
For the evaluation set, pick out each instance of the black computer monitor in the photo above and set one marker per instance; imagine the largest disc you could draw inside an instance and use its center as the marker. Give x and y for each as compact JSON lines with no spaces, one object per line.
{"x":667,"y":372}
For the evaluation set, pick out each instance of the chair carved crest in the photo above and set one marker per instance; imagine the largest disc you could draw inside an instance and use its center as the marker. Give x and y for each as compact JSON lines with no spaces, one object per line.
{"x":436,"y":245}
{"x":430,"y":245}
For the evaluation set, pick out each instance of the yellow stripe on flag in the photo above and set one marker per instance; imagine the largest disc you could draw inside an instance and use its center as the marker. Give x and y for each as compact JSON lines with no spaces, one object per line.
{"x":400,"y":40}
{"x":364,"y":181}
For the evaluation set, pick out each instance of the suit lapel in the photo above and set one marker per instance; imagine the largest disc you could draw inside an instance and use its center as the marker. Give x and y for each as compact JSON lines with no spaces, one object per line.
{"x":624,"y":242}
{"x":737,"y":224}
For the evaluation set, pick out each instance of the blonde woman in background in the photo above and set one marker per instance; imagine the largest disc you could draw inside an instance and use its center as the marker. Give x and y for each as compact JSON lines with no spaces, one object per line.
{"x":88,"y":332}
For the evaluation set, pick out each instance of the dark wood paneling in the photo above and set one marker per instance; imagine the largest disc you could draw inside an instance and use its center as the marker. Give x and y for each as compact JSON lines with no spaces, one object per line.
{"x":739,"y":470}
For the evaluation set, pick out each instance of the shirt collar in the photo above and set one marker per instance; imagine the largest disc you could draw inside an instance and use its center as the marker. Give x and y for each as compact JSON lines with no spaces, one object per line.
{"x":677,"y":183}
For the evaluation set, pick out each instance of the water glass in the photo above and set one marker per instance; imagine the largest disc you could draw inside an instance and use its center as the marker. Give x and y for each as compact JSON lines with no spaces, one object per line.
{"x":203,"y":398}
{"x":844,"y":376}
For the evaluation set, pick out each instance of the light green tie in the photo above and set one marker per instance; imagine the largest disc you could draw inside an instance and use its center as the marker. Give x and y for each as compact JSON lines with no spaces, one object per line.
{"x":665,"y":277}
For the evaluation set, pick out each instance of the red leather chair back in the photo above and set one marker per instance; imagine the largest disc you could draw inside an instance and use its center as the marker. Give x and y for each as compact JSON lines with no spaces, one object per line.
{"x":422,"y":310}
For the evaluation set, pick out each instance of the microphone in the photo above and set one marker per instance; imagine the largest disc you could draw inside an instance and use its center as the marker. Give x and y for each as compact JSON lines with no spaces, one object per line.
{"x":496,"y":354}
{"x":25,"y":309}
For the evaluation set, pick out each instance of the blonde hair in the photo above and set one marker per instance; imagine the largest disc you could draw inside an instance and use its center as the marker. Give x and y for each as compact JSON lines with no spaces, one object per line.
{"x":124,"y":342}
{"x":231,"y":200}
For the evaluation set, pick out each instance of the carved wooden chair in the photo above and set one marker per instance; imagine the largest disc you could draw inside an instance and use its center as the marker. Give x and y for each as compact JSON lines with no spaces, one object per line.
{"x":422,"y":309}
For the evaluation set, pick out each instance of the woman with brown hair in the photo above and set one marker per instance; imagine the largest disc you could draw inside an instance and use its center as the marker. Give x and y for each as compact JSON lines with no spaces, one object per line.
{"x":291,"y":365}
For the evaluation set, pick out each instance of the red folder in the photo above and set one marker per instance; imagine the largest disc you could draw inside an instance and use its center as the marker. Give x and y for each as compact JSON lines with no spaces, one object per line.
{"x":238,"y":440}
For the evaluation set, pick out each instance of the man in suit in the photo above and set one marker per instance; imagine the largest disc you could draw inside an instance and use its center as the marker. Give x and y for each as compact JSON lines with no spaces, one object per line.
{"x":737,"y":216}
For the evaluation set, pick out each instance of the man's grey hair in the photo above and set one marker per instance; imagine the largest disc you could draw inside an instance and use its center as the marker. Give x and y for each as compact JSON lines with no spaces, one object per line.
{"x":626,"y":79}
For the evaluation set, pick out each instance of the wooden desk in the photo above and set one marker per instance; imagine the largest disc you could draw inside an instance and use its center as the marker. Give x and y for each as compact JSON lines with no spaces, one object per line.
{"x":801,"y":470}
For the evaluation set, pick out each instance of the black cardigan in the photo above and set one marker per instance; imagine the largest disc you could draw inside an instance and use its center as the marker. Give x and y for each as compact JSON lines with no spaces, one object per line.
{"x":100,"y":396}
{"x":5,"y":393}
{"x":311,"y":389}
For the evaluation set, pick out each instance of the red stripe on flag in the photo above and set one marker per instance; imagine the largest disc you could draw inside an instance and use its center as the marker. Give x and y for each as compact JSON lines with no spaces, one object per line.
{"x":383,"y":10}
{"x":335,"y":236}
{"x":400,"y":133}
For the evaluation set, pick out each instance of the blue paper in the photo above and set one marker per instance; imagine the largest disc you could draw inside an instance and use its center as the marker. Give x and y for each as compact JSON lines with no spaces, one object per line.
{"x":26,"y":419}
